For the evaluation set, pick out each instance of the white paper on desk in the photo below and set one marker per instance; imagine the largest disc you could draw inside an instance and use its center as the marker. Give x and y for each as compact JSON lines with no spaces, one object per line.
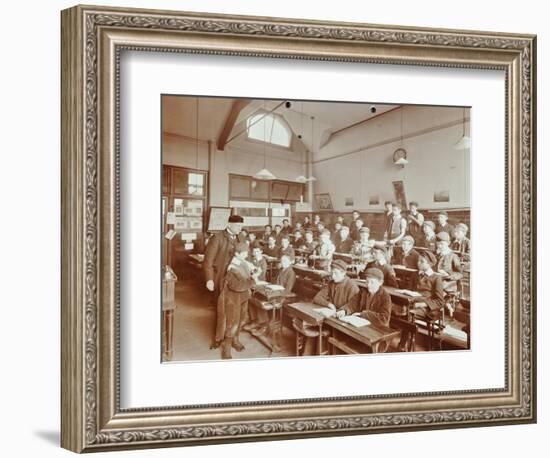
{"x":170,"y":234}
{"x":354,"y":320}
{"x":261,"y":282}
{"x":189,"y":246}
{"x":170,"y":218}
{"x":326,"y":312}
{"x":408,"y":292}
{"x":275,"y":287}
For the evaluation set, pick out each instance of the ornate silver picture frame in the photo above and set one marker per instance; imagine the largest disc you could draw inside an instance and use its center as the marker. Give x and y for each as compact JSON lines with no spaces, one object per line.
{"x":93,"y":39}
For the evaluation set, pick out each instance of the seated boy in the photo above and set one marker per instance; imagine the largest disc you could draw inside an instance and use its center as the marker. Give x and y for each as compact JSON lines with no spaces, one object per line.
{"x":345,"y":243}
{"x":286,"y":249}
{"x":232,"y":310}
{"x":406,"y":256}
{"x":461,"y":243}
{"x":381,"y":262}
{"x":432,"y":299}
{"x":324,"y":251}
{"x":429,"y":240}
{"x":340,"y":292}
{"x":258,"y":260}
{"x":373,"y":303}
{"x":271,"y":250}
{"x":285,"y":278}
{"x":448,"y":263}
{"x":442,"y":223}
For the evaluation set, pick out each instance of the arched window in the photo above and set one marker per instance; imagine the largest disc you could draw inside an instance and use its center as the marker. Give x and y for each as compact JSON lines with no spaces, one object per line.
{"x":270,"y":128}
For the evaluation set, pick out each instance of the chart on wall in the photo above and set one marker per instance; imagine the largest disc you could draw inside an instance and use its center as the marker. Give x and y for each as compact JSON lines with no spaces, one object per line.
{"x":400,"y":196}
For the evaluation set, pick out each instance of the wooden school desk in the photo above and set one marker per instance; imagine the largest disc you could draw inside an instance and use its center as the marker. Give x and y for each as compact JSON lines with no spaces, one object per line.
{"x":355,"y":340}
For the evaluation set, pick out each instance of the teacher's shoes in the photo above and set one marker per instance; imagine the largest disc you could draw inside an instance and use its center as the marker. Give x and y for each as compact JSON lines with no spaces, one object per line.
{"x":226,"y":348}
{"x":236,"y":344}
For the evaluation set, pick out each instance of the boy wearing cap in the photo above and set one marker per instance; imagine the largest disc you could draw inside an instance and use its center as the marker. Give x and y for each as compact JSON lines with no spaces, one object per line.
{"x":448,"y":263}
{"x":373,"y":303}
{"x":429,"y":240}
{"x":407,"y":256}
{"x":345,"y":244}
{"x":461,"y":243}
{"x":442,"y":224}
{"x":415,"y":220}
{"x":339,"y":292}
{"x":232,"y":311}
{"x":432,"y":299}
{"x":381,"y":262}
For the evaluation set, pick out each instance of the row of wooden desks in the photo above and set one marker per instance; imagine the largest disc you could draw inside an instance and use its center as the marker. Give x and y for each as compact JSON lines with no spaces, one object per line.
{"x":342,"y":336}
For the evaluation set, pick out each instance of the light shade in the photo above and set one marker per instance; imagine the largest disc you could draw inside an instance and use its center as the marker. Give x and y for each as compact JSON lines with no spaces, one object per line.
{"x":401,"y":161}
{"x":264,"y":174}
{"x":301,"y":179}
{"x":463,"y":143}
{"x":311,"y":178}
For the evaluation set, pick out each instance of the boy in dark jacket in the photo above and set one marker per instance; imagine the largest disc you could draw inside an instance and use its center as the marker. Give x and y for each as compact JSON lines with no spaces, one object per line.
{"x":233,"y":302}
{"x":374,"y":303}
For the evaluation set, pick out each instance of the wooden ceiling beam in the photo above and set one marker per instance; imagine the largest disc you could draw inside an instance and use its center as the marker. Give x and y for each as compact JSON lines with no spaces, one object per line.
{"x":236,"y":108}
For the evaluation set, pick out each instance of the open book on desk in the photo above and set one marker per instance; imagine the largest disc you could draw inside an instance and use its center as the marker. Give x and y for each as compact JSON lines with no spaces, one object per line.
{"x":355,"y":320}
{"x":408,"y":292}
{"x":275,"y":287}
{"x":326,"y":312}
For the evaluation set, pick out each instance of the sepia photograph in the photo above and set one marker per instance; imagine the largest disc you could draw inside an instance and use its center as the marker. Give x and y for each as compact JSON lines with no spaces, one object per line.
{"x":262,"y":256}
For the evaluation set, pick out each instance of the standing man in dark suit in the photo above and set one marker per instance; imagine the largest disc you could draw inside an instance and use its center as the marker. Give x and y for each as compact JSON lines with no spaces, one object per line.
{"x":219,"y":252}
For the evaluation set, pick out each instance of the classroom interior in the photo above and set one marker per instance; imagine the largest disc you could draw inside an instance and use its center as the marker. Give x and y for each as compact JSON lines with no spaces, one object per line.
{"x":274,"y":160}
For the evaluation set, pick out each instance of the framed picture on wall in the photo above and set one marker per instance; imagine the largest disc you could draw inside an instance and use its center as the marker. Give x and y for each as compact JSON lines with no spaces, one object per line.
{"x":323,"y":201}
{"x":441,"y":196}
{"x":232,"y":140}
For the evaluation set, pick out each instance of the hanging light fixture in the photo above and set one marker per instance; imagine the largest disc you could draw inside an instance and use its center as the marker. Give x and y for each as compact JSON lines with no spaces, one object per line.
{"x":264,"y":174}
{"x":312,"y":178}
{"x":197,"y":134}
{"x":464,"y":141}
{"x":400,"y":154}
{"x":302,"y":178}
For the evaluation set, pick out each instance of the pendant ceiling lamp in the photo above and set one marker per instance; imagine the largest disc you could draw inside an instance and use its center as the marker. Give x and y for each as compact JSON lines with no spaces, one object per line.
{"x":464,"y":141}
{"x":400,"y":154}
{"x":264,"y":173}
